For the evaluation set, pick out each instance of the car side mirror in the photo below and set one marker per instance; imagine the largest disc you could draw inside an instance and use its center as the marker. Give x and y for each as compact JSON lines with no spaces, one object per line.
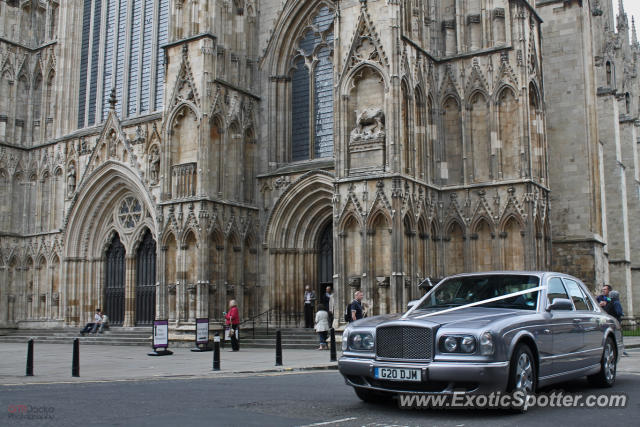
{"x":559,"y":304}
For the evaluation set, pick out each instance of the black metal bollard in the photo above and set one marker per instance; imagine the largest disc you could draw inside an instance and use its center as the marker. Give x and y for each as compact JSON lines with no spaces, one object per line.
{"x":278,"y":348}
{"x":75,"y":367}
{"x":333,"y":345}
{"x":216,"y":352}
{"x":30,"y":358}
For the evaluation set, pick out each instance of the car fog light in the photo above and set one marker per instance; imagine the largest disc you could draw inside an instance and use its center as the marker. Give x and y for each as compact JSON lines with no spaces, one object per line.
{"x":468,"y":344}
{"x":486,"y":344}
{"x":451,"y":344}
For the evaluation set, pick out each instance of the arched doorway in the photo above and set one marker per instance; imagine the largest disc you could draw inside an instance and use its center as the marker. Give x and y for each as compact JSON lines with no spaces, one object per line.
{"x":325,"y":259}
{"x":146,"y":280}
{"x":114,"y":281}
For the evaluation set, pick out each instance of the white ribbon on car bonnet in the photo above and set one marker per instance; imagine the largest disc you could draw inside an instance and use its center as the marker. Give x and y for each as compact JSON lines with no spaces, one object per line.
{"x":473,"y":304}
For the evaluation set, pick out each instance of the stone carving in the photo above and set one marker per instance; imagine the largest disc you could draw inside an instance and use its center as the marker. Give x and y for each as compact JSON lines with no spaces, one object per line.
{"x":383,"y":281}
{"x":369,"y":125}
{"x":71,"y":179}
{"x":354,"y":282}
{"x":154,"y":169}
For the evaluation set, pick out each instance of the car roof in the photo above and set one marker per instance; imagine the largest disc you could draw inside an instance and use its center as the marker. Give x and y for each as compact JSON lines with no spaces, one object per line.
{"x":514,"y":272}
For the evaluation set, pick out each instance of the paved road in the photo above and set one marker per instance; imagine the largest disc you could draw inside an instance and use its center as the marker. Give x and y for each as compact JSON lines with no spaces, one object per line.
{"x":279,"y":399}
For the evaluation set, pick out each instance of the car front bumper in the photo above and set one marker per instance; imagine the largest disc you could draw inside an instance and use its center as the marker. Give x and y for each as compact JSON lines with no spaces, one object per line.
{"x":436,"y":377}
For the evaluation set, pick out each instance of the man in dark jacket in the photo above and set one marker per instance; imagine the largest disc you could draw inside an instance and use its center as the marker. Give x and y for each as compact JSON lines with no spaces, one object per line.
{"x":356,"y":307}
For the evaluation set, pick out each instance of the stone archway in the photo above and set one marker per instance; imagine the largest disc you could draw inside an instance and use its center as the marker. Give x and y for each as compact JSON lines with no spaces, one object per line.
{"x":301,"y":216}
{"x":109,"y":225}
{"x":324,"y":257}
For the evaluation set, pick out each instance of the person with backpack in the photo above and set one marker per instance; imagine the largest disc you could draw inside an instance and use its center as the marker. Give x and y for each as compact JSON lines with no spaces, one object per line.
{"x":614,"y":308}
{"x":353,"y":311}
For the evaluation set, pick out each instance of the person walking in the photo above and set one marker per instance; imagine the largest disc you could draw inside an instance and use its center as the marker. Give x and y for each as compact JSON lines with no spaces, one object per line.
{"x":330,"y":304}
{"x":233,"y":322}
{"x":309,"y":301}
{"x":614,"y":308}
{"x":603,"y":299}
{"x":322,"y":327}
{"x":356,"y":307}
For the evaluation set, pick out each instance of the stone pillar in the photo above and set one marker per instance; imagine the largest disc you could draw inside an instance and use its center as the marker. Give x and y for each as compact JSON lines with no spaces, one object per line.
{"x":191,"y":301}
{"x":130,"y":291}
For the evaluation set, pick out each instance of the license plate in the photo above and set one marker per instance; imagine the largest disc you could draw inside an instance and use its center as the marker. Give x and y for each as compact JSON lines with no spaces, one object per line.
{"x":398,"y":374}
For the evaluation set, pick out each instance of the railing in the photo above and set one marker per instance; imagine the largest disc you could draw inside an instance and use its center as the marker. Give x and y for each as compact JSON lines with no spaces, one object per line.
{"x":272,"y":317}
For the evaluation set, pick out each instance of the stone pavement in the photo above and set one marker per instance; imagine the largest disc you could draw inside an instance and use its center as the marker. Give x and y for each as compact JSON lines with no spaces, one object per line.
{"x":52,"y":363}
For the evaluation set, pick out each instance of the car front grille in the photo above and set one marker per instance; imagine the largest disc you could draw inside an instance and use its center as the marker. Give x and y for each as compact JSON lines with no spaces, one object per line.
{"x":404,"y":342}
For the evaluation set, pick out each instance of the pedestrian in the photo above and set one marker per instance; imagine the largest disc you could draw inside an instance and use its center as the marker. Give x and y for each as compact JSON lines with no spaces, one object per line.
{"x":356,"y":307}
{"x":233,"y":322}
{"x":614,"y":308}
{"x":309,"y":302}
{"x":322,"y":327}
{"x":104,"y":323}
{"x":93,"y":326}
{"x":603,"y":299}
{"x":330,"y":304}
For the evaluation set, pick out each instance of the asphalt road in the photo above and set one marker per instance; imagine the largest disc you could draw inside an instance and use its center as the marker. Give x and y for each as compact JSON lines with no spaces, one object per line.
{"x":291,"y":399}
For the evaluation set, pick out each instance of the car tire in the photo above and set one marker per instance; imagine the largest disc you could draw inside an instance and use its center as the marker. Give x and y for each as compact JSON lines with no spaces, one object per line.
{"x":608,"y":366}
{"x":523,"y":374}
{"x":371,"y":396}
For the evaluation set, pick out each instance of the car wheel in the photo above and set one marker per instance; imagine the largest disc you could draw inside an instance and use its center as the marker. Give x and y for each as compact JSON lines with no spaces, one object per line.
{"x":523,"y":376}
{"x":608,"y":366}
{"x":371,"y":396}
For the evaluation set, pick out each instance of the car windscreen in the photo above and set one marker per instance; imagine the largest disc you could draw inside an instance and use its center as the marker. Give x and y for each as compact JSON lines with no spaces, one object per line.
{"x":466,"y":290}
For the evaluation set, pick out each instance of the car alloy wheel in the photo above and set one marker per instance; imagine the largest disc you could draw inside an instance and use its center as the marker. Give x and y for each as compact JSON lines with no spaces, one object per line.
{"x":609,"y":362}
{"x":524,"y":374}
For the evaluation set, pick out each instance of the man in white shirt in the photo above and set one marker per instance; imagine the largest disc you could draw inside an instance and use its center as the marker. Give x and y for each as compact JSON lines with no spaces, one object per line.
{"x":93,"y":326}
{"x":104,"y":323}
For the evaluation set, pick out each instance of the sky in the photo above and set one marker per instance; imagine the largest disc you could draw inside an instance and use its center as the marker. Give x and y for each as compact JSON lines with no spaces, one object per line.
{"x":632,"y":7}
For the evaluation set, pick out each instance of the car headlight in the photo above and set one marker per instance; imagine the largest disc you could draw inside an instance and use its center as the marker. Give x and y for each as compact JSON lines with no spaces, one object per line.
{"x":451,"y":344}
{"x":458,"y":344}
{"x":361,"y":341}
{"x":468,"y":344}
{"x":345,"y":339}
{"x":487,"y":346}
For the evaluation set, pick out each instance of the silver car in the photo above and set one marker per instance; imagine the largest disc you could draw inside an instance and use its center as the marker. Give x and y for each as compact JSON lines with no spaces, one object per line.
{"x":482,"y":333}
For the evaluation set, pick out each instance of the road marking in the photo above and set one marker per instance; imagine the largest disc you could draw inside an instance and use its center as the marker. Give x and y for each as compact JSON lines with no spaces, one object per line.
{"x":330,"y":422}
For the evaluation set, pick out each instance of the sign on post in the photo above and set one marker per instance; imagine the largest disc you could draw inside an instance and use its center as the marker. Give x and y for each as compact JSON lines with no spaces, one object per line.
{"x":160,"y":338}
{"x":202,"y":335}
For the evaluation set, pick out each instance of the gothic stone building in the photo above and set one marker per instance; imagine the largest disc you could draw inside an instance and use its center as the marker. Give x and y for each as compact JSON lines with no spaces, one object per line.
{"x":161,"y":157}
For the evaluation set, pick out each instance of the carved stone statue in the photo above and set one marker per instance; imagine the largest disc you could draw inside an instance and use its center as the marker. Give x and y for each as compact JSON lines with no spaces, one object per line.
{"x":71,"y":179}
{"x":154,"y":165}
{"x":369,"y":125}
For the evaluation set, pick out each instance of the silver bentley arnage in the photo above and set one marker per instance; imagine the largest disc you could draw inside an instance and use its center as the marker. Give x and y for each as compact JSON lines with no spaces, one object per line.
{"x":483,"y":333}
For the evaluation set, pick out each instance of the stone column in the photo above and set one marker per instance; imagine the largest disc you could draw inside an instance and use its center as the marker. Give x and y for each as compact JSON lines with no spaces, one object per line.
{"x":130,"y":291}
{"x":191,"y":301}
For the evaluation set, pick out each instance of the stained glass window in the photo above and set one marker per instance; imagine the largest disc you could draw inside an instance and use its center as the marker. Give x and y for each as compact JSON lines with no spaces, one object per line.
{"x":312,"y":91}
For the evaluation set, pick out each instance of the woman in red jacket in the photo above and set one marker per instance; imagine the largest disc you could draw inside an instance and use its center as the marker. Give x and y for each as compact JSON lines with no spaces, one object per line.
{"x":233,"y":322}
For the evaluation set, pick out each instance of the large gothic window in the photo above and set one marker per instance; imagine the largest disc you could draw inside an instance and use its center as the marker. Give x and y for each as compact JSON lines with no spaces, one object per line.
{"x":312,"y":90}
{"x":122,"y":45}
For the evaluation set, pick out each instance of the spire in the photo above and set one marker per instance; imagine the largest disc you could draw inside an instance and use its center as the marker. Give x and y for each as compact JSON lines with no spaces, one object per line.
{"x":623,"y":21}
{"x":634,"y":34}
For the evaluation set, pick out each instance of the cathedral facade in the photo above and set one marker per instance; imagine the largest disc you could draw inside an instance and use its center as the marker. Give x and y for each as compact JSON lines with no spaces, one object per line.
{"x":161,"y":157}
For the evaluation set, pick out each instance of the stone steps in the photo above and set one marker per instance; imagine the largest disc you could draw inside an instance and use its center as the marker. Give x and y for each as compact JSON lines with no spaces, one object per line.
{"x":294,"y":338}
